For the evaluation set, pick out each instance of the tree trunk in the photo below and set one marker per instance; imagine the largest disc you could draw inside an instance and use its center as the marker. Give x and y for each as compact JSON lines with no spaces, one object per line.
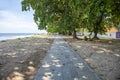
{"x":95,"y":34}
{"x":97,"y":25}
{"x":74,"y":34}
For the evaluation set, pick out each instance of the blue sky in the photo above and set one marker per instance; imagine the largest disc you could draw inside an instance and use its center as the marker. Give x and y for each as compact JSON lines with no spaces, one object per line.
{"x":13,"y":20}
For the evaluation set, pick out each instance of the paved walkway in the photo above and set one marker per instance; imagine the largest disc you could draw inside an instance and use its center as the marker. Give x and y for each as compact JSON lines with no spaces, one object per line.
{"x":63,"y":63}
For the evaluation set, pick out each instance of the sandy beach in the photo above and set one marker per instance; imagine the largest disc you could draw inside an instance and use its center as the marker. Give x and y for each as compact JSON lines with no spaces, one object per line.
{"x":21,"y":58}
{"x":103,"y":56}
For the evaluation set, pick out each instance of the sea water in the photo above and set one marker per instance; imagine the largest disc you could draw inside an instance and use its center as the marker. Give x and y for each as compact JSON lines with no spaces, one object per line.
{"x":5,"y":36}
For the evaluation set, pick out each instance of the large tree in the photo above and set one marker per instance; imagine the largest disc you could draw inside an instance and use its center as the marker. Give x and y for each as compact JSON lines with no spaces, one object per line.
{"x":101,"y":13}
{"x":65,"y":16}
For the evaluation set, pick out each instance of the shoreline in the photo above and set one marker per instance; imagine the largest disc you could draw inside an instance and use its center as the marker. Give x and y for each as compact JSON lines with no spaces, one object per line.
{"x":21,"y":35}
{"x":11,"y":38}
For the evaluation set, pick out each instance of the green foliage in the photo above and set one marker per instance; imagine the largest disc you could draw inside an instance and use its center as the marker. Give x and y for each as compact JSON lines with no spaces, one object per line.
{"x":56,"y":16}
{"x":101,"y":13}
{"x":66,"y":16}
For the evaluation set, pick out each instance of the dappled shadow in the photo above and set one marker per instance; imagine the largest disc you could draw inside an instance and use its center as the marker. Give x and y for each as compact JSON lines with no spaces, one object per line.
{"x":25,"y":74}
{"x":62,"y":68}
{"x":102,"y":55}
{"x":62,"y":63}
{"x":20,"y":58}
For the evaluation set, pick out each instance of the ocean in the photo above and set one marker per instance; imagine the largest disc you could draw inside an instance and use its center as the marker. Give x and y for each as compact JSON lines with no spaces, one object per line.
{"x":5,"y":36}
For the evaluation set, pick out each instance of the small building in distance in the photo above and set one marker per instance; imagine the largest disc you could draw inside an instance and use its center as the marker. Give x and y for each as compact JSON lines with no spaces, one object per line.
{"x":111,"y":33}
{"x":114,"y":32}
{"x":113,"y":29}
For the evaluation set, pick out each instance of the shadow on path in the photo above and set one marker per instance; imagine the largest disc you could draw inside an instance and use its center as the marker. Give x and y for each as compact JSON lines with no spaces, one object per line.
{"x":63,"y":63}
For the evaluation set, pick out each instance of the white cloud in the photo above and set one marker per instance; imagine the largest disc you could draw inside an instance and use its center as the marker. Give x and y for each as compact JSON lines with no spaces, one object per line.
{"x":14,"y":22}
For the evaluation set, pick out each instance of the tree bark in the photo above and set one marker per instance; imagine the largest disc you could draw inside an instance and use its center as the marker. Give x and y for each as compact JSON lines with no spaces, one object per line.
{"x":97,"y":25}
{"x":95,"y":34}
{"x":74,"y":34}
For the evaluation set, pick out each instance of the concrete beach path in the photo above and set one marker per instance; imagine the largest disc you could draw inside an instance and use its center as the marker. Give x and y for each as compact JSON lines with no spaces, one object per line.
{"x":63,"y":63}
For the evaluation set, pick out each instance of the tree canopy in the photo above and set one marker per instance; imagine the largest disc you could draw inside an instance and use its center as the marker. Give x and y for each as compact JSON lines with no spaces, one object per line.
{"x":65,"y":16}
{"x":101,"y":13}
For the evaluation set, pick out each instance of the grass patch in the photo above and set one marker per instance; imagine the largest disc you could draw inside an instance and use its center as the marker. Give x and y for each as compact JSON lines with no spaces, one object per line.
{"x":38,"y":36}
